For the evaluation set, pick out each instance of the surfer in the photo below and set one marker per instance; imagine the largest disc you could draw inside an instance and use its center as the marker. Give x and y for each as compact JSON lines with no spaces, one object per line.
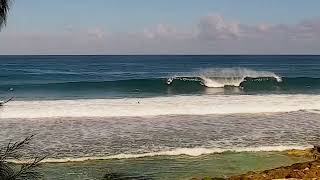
{"x":169,"y":81}
{"x":4,"y":102}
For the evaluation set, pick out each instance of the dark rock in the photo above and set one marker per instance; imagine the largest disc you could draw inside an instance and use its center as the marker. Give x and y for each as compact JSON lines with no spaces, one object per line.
{"x":121,"y":176}
{"x":305,"y":170}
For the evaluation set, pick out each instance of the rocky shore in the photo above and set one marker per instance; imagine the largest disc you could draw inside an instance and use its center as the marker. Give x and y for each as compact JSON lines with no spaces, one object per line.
{"x":306,"y":170}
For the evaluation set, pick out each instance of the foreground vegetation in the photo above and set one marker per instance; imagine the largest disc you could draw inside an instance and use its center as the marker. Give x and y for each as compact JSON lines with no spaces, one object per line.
{"x":13,"y":171}
{"x":4,"y":8}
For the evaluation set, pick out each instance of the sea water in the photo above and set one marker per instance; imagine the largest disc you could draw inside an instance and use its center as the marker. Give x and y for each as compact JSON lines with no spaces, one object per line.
{"x":160,"y":113}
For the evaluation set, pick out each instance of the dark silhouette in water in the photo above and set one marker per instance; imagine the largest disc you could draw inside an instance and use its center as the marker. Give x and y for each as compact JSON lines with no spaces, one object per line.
{"x":121,"y":176}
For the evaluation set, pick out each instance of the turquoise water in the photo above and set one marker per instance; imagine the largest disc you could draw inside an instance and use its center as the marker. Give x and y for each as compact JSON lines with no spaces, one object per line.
{"x":181,"y":167}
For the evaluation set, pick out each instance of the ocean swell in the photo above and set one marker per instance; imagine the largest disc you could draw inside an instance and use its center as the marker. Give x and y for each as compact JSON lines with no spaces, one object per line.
{"x":212,"y":81}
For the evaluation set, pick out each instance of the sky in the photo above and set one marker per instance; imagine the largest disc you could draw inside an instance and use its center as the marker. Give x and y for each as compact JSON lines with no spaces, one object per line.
{"x":162,"y":27}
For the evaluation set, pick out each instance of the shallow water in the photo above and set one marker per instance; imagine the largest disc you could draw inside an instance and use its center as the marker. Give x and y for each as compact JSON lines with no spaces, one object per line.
{"x":166,"y":167}
{"x":125,"y":137}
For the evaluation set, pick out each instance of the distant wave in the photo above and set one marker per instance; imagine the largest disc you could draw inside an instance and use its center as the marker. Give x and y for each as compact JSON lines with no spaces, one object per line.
{"x":176,"y":82}
{"x":234,"y":80}
{"x":156,"y":106}
{"x":39,"y":71}
{"x":192,"y":152}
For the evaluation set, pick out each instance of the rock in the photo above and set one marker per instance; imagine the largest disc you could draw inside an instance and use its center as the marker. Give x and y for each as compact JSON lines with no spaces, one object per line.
{"x":316,"y":152}
{"x":311,"y":152}
{"x":305,"y":153}
{"x":208,"y":178}
{"x":307,"y":170}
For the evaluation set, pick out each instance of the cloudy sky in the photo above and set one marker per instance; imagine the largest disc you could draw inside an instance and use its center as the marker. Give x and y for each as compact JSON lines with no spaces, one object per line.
{"x":162,"y":27}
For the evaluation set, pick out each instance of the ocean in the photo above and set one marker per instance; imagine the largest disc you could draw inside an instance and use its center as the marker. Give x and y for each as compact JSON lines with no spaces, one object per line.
{"x":160,"y":117}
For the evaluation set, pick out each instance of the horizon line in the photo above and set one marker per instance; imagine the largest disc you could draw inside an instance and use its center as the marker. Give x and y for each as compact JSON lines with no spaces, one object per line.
{"x":159,"y":54}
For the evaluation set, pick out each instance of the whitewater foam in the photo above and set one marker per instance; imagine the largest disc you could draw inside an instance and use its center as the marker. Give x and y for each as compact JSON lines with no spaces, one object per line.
{"x":221,"y":77}
{"x":192,"y":152}
{"x":173,"y":105}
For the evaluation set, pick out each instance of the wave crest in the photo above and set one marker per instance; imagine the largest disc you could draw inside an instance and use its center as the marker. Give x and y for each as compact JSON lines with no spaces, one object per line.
{"x":219,"y":78}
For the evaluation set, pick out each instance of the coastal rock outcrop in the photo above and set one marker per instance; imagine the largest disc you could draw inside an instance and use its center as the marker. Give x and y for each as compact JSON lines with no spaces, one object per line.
{"x":306,"y":170}
{"x":311,"y":152}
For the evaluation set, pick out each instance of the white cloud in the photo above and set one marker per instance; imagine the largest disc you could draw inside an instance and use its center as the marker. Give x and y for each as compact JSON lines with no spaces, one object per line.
{"x":160,"y":31}
{"x":216,"y":27}
{"x":96,"y":32}
{"x":164,"y":31}
{"x":212,"y":34}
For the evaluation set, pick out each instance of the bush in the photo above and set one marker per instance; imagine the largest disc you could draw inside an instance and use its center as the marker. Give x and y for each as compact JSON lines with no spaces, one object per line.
{"x":13,"y":171}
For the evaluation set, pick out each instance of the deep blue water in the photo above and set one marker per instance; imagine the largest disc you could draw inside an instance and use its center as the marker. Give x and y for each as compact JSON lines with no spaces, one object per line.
{"x":65,"y":77}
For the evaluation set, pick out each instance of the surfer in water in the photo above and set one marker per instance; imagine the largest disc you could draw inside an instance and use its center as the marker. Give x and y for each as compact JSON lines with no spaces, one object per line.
{"x":169,"y":81}
{"x":5,"y":102}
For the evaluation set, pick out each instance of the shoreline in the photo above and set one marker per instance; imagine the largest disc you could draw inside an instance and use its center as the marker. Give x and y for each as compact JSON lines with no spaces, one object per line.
{"x":304,"y":170}
{"x":172,"y":167}
{"x":180,"y":152}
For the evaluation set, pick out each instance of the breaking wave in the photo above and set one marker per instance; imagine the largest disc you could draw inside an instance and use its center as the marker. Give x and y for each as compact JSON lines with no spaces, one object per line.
{"x":219,"y":78}
{"x":192,"y":152}
{"x":213,"y":81}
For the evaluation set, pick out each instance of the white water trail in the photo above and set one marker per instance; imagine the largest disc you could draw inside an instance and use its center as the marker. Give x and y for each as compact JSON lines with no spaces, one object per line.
{"x":173,"y":105}
{"x":192,"y":152}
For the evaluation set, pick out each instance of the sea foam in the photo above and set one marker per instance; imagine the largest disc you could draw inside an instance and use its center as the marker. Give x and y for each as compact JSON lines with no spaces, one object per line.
{"x":173,"y":105}
{"x":192,"y":152}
